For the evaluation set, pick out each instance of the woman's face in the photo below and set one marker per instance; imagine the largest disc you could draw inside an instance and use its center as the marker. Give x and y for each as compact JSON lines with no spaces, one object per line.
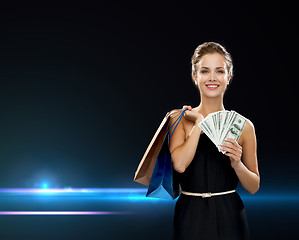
{"x":212,"y":75}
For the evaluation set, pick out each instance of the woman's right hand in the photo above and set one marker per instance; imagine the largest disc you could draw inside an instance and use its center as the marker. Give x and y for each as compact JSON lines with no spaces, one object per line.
{"x":192,"y":115}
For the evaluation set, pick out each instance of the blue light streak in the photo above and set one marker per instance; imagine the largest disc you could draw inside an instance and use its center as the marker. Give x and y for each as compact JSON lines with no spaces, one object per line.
{"x":134,"y":194}
{"x":100,"y":201}
{"x":59,"y":213}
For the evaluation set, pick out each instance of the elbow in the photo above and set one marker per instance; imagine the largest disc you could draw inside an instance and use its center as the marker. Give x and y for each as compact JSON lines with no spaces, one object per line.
{"x":253,"y":191}
{"x":177,"y":163}
{"x":179,"y":168}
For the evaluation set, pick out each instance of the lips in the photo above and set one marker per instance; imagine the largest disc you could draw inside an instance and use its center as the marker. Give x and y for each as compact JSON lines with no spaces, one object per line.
{"x":212,"y":86}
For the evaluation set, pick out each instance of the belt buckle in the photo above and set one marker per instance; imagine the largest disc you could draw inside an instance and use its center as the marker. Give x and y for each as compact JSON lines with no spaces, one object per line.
{"x":205,"y":195}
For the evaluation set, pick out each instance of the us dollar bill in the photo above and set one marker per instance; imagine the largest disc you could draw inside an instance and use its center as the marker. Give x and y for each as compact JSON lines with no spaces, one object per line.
{"x":223,"y":124}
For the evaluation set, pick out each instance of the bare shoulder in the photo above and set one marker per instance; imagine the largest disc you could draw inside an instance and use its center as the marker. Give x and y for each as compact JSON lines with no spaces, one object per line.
{"x":186,"y":125}
{"x":248,"y":133}
{"x":177,"y":131}
{"x":174,"y":114}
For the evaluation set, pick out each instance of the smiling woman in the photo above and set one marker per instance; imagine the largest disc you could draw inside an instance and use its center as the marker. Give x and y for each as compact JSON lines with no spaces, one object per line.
{"x":209,"y":207}
{"x":224,"y":64}
{"x":209,"y":48}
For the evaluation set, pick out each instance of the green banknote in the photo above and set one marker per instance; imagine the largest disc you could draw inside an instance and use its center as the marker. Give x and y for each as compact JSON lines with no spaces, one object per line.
{"x":223,"y":124}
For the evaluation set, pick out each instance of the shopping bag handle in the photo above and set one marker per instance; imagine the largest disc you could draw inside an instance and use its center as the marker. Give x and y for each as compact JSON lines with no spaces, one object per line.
{"x":179,"y":118}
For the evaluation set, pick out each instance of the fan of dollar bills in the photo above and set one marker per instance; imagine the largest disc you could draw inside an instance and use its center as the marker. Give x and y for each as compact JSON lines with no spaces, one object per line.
{"x":223,"y":124}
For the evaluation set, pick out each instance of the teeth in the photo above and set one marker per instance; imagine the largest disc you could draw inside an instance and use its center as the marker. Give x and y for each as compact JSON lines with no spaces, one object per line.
{"x":212,"y":85}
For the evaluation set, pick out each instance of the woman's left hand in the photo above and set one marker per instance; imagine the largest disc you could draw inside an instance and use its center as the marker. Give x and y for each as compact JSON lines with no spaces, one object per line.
{"x":233,"y":151}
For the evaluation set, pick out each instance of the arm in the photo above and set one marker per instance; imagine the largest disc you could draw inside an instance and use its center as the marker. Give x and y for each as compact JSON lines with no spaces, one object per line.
{"x":183,"y":150}
{"x":247,"y":169}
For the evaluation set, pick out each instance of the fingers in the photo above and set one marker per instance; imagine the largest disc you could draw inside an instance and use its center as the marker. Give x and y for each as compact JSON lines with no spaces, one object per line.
{"x":231,"y":143}
{"x":187,"y":107}
{"x":232,"y":156}
{"x":230,"y":140}
{"x":233,"y":151}
{"x":232,"y":148}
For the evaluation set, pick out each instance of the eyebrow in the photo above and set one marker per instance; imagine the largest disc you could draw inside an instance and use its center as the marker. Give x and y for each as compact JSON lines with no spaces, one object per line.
{"x":208,"y":68}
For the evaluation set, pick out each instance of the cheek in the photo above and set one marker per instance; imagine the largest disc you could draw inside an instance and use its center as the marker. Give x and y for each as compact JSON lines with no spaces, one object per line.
{"x":202,"y":79}
{"x":223,"y":78}
{"x":202,"y":82}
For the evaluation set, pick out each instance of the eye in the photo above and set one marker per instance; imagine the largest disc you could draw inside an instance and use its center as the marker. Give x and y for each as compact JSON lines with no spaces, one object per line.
{"x":204,"y":71}
{"x":220,"y":71}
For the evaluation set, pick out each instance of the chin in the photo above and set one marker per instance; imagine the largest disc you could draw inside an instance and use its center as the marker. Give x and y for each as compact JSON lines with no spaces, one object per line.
{"x":212,"y":94}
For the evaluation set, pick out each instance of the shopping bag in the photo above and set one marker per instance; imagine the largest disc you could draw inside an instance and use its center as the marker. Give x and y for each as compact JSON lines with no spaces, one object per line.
{"x":146,"y":166}
{"x":163,"y":183}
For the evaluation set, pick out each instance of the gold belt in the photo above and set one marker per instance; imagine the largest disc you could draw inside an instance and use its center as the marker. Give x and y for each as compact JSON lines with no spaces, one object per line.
{"x":205,"y":195}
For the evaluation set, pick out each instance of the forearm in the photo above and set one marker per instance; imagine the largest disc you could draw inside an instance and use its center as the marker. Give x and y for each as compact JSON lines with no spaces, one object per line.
{"x":249,"y":180}
{"x":183,"y":155}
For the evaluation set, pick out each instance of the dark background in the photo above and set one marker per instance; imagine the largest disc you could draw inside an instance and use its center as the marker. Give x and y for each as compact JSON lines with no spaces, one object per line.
{"x":84,"y":87}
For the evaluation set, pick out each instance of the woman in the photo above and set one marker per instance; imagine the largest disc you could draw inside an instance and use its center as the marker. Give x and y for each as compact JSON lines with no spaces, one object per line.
{"x":201,"y":168}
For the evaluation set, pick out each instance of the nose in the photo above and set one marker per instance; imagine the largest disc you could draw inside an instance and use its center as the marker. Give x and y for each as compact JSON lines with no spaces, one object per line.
{"x":212,"y":76}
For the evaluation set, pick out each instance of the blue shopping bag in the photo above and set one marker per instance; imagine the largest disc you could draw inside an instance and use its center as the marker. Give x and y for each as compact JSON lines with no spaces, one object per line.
{"x":164,"y":183}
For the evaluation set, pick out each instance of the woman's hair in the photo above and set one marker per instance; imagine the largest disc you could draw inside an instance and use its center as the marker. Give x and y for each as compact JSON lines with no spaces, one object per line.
{"x":207,"y":48}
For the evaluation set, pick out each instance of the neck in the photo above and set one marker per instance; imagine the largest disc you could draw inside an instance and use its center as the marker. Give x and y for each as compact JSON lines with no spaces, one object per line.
{"x":209,"y":105}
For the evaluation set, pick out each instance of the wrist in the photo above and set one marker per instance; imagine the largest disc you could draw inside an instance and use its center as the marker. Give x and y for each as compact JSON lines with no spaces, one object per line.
{"x":238,"y":166}
{"x":197,"y":125}
{"x":197,"y":121}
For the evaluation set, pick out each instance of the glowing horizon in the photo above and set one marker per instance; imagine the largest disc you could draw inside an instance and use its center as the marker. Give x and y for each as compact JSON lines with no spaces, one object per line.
{"x":135,"y":194}
{"x":72,"y":190}
{"x":59,"y":213}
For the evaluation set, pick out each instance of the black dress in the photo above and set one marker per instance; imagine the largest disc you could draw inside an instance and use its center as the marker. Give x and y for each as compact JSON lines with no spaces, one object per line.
{"x":214,"y":218}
